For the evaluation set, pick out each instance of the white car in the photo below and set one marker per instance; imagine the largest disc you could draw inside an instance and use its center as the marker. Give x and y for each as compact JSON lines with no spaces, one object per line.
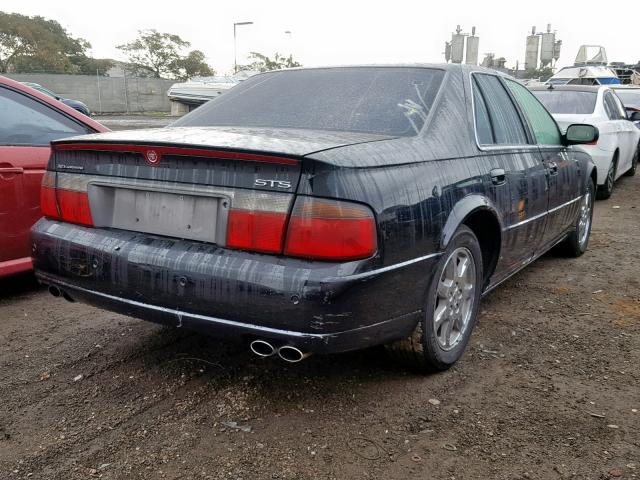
{"x":616,"y":151}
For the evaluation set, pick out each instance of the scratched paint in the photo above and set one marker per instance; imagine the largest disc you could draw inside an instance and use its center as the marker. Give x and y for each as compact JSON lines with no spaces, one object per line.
{"x":421,"y":189}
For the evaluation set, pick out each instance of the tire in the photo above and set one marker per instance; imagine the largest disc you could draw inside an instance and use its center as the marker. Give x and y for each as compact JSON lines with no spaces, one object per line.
{"x":605,"y":191}
{"x":578,"y":240}
{"x":430,"y":348}
{"x":634,"y":163}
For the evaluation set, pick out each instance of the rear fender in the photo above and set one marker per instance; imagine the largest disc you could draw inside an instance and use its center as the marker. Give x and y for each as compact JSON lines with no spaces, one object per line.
{"x":461,"y":210}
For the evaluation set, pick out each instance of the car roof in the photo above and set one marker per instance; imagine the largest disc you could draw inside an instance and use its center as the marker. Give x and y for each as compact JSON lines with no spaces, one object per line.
{"x":56,"y":104}
{"x":628,"y":88}
{"x":569,"y":88}
{"x":441,"y":66}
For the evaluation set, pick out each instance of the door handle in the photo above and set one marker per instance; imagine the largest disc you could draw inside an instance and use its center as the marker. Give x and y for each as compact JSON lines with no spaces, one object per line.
{"x":552,"y":167}
{"x":6,"y":170}
{"x":498,"y":176}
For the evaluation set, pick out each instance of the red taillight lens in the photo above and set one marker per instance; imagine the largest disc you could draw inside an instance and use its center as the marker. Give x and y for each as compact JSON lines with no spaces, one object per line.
{"x":330,"y":230}
{"x":256,"y":230}
{"x":68,"y":205}
{"x":48,"y":203}
{"x":74,"y":207}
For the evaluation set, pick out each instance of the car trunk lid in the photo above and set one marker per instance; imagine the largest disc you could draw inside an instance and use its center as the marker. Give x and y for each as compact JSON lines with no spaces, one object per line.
{"x":205,"y":184}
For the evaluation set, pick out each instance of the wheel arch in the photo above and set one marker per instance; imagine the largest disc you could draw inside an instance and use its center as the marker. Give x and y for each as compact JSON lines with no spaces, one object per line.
{"x":592,"y":174}
{"x":479,"y":214}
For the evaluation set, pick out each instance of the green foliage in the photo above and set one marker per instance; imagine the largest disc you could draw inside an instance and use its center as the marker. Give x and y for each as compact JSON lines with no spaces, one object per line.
{"x":160,"y":55}
{"x":193,"y":65}
{"x":91,"y":66}
{"x":262,"y":63}
{"x":35,"y":44}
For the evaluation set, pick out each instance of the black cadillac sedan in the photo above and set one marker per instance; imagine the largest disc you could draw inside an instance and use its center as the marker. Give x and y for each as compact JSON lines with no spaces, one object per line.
{"x":320,"y":210}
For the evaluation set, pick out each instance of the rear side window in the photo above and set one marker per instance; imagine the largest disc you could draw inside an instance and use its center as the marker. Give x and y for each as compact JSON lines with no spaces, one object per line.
{"x":25,"y":121}
{"x":622,"y":113}
{"x":544,"y":126}
{"x":505,"y":121}
{"x":483,"y":122}
{"x":630,"y":98}
{"x":613,"y":110}
{"x":383,"y":100}
{"x":567,"y":101}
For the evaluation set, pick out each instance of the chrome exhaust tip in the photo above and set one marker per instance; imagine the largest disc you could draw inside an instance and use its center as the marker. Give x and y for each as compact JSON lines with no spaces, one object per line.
{"x":292,"y":354}
{"x":55,"y":291}
{"x":262,"y":348}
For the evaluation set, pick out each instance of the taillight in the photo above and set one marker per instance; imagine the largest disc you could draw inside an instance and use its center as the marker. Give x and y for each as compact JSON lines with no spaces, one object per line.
{"x":317,"y":229}
{"x":330,"y":230}
{"x":74,"y":207}
{"x":62,"y":204}
{"x":257,"y":222}
{"x":48,"y":202}
{"x":255,"y":230}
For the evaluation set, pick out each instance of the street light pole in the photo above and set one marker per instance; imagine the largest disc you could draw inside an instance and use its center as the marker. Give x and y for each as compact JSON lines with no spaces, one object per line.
{"x":235,"y":45}
{"x":288,"y":33}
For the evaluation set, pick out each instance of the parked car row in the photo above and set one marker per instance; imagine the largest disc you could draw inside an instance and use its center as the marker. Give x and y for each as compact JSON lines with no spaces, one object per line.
{"x":323,"y":210}
{"x":618,"y":146}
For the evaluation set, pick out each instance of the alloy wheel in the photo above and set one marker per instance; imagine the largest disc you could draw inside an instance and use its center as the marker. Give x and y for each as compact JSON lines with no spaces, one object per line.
{"x":455,"y":298}
{"x":585,"y":219}
{"x":610,"y":177}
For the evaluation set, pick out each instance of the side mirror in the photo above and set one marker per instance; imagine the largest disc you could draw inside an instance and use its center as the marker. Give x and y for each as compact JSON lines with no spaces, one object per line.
{"x":634,"y":116}
{"x":581,"y":134}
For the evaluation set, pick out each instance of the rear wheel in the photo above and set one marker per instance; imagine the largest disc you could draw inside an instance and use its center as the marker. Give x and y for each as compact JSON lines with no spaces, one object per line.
{"x":451,"y":308}
{"x":578,"y":240}
{"x":634,"y":163}
{"x":605,"y":191}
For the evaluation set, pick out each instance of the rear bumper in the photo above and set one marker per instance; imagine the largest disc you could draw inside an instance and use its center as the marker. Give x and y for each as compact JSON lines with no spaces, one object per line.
{"x":321,"y":307}
{"x":602,"y":160}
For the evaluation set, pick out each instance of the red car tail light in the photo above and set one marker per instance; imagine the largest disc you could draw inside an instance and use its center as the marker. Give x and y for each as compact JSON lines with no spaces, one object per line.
{"x":74,"y":207}
{"x":330,"y":230}
{"x":48,"y":202}
{"x":61,"y":204}
{"x":257,"y":221}
{"x":255,"y":230}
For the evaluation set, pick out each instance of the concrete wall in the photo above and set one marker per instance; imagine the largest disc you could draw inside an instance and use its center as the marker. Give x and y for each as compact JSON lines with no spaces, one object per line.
{"x":107,"y":94}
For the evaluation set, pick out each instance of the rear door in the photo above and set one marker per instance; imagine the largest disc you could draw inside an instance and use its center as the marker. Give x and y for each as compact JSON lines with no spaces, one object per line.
{"x":26,"y":128}
{"x":562,"y":170}
{"x":517,"y":177}
{"x":627,"y":132}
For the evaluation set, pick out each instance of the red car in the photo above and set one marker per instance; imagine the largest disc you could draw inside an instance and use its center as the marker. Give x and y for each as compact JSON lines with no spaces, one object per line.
{"x":29,"y":120}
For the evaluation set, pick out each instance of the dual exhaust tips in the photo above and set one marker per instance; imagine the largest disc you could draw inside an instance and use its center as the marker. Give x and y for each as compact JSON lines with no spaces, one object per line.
{"x":261,"y":348}
{"x":57,"y":292}
{"x":290,"y":354}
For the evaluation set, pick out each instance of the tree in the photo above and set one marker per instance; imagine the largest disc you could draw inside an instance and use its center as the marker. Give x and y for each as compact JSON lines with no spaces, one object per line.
{"x":262,"y":63}
{"x":193,"y":65}
{"x":35,"y":44}
{"x":160,"y":55}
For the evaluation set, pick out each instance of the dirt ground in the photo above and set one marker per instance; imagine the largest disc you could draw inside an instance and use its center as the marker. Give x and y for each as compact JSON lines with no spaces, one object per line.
{"x":548,"y":388}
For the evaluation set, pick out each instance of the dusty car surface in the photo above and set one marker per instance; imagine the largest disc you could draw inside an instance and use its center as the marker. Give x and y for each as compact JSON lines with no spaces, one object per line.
{"x":321,"y":210}
{"x":29,"y":120}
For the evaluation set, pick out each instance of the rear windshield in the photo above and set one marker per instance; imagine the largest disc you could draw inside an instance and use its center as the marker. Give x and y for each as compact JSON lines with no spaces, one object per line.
{"x":567,"y":101}
{"x":630,"y":98}
{"x":384,"y":100}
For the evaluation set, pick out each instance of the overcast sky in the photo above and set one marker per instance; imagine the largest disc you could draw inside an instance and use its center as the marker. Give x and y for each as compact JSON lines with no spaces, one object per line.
{"x":333,"y":32}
